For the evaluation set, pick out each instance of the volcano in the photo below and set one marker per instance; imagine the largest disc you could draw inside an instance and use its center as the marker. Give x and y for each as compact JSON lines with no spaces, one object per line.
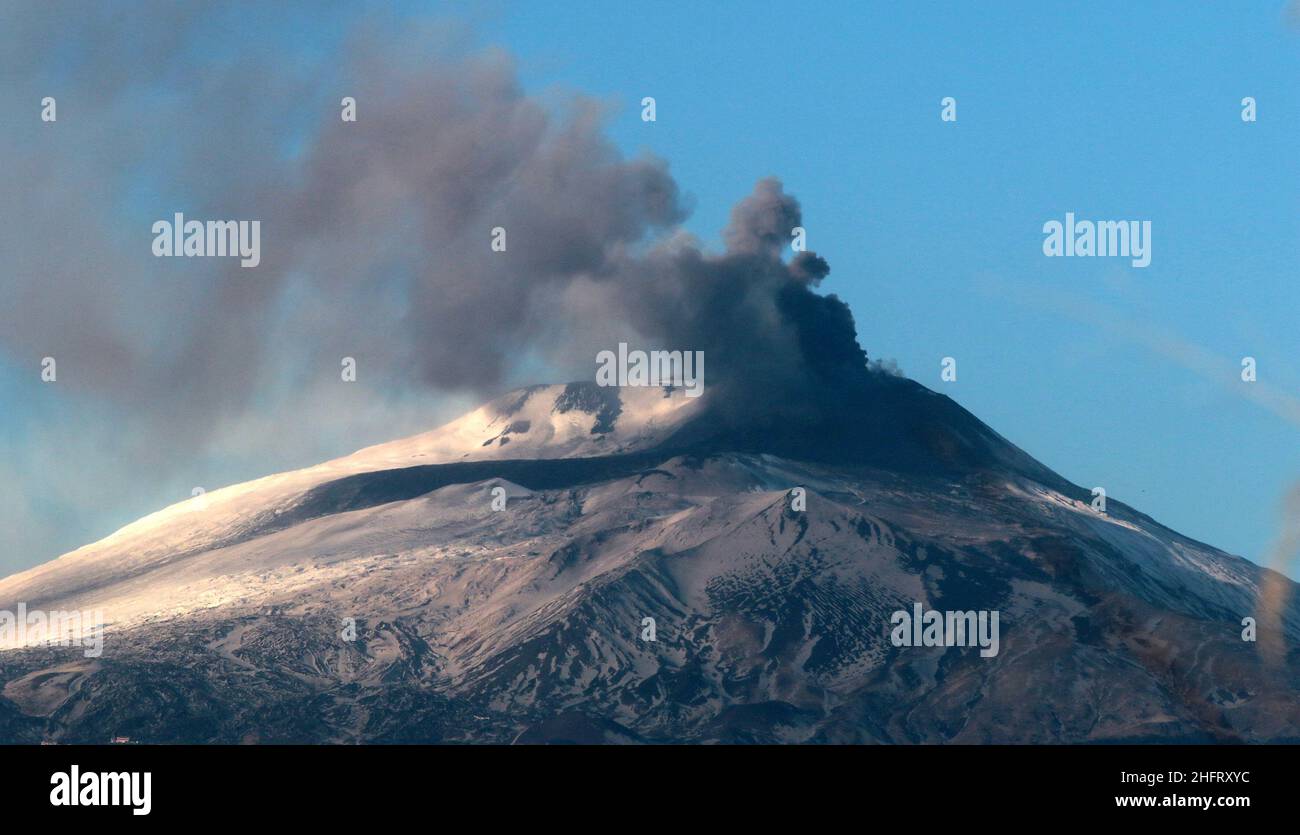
{"x":572,"y":563}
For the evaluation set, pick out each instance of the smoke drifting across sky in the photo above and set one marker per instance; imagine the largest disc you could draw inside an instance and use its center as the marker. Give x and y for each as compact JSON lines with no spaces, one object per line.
{"x":375,"y":240}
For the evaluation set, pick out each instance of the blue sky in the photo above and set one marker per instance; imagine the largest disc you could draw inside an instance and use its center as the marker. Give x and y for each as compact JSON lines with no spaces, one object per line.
{"x":1113,"y":376}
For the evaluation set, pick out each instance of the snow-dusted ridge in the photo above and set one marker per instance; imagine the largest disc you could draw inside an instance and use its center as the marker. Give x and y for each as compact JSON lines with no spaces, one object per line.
{"x":539,"y":422}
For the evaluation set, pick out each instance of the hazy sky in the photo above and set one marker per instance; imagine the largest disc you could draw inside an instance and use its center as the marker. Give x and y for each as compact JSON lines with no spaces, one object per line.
{"x":1113,"y":376}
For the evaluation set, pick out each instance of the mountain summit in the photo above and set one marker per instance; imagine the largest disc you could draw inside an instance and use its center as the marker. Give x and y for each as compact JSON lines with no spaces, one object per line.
{"x":576,"y":563}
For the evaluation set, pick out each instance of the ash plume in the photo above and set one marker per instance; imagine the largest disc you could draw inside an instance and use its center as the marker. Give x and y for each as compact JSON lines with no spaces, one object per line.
{"x":376,"y":233}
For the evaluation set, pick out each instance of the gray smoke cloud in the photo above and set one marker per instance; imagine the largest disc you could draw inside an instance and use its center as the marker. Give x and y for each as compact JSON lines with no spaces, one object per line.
{"x":401,"y":204}
{"x":375,"y":241}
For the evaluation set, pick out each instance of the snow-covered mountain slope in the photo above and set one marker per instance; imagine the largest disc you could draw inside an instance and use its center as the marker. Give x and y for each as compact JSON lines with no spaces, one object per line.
{"x":539,"y":422}
{"x":527,"y":622}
